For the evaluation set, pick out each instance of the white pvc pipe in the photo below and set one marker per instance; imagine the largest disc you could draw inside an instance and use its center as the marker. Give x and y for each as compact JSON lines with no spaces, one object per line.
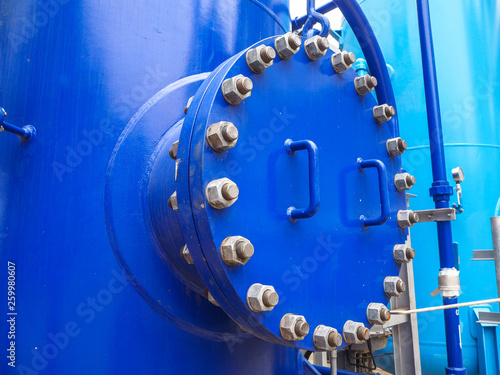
{"x":445,"y":307}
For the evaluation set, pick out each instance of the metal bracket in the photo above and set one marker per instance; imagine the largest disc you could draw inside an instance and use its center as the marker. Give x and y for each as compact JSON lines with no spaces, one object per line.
{"x":438,"y":214}
{"x":483,"y":255}
{"x":488,"y":317}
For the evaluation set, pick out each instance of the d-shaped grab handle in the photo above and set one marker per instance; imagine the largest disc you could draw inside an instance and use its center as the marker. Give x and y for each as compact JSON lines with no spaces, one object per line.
{"x":303,"y":213}
{"x":384,"y":193}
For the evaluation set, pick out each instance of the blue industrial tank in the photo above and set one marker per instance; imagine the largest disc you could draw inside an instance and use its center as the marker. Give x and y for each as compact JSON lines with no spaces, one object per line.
{"x":466,"y":42}
{"x":80,"y":71}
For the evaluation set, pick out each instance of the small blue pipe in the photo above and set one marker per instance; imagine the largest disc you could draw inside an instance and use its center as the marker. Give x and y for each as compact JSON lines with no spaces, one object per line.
{"x":25,"y":132}
{"x":297,"y":23}
{"x":440,"y":190}
{"x":373,"y":54}
{"x":312,"y":18}
{"x":384,"y":193}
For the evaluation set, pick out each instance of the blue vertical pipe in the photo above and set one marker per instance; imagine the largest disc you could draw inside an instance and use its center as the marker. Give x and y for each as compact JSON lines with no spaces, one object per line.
{"x":440,"y":190}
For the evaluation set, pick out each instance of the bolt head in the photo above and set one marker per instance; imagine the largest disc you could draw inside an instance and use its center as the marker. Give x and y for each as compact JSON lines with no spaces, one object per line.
{"x":293,"y":326}
{"x":403,"y":253}
{"x":365,"y":84}
{"x":261,"y":297}
{"x":377,"y":313}
{"x":394,"y":286}
{"x":173,"y":150}
{"x":236,"y":89}
{"x":404,"y":181}
{"x":210,"y":298}
{"x":396,"y":146}
{"x":260,"y":58}
{"x":221,"y":193}
{"x":236,"y":250}
{"x":316,"y":47}
{"x":172,"y":202}
{"x":326,"y":338}
{"x":186,"y":255}
{"x":287,"y":45}
{"x":341,"y":61}
{"x":383,"y":113}
{"x":186,"y":108}
{"x":355,"y":332}
{"x":222,"y":136}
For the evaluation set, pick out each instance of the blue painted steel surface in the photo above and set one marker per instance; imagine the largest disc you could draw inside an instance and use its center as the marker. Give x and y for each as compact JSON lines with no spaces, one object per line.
{"x":80,"y":72}
{"x":26,"y":132}
{"x":462,"y":31}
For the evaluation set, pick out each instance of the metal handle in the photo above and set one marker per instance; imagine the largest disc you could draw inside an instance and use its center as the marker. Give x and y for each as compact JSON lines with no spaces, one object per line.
{"x":303,"y":213}
{"x":384,"y":193}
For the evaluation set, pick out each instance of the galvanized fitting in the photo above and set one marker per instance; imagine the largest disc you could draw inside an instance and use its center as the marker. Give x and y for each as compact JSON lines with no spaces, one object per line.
{"x":260,"y":58}
{"x":341,"y":61}
{"x":449,"y":282}
{"x":383,"y":113}
{"x":236,"y":250}
{"x":365,"y":84}
{"x":404,"y":181}
{"x":396,"y":146}
{"x":287,"y":45}
{"x":236,"y":89}
{"x":210,"y":298}
{"x":316,"y":47}
{"x":222,"y":136}
{"x":407,"y":218}
{"x":186,"y":254}
{"x":403,"y":253}
{"x":261,"y":298}
{"x":394,"y":286}
{"x":293,"y":327}
{"x":377,"y":313}
{"x":173,"y":150}
{"x":326,"y":338}
{"x":355,"y":332}
{"x":186,"y":108}
{"x":221,"y":193}
{"x":172,"y":202}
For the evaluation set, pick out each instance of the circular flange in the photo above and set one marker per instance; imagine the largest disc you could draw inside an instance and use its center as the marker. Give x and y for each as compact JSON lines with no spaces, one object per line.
{"x":326,"y":267}
{"x":127,"y":218}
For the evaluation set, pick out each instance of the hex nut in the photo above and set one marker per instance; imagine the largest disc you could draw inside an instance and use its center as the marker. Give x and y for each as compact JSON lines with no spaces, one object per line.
{"x":260,"y":58}
{"x":172,"y":202}
{"x":186,"y":254}
{"x":326,"y":338}
{"x":394,"y":286}
{"x":261,"y":298}
{"x":236,"y":250}
{"x":293,"y":327}
{"x":403,"y":253}
{"x":355,"y":332}
{"x":287,"y":45}
{"x":407,"y":218}
{"x":186,"y":108}
{"x":173,"y":150}
{"x":365,"y":84}
{"x":221,"y":193}
{"x":222,"y":135}
{"x":383,"y":113}
{"x":404,"y":181}
{"x":396,"y":146}
{"x":316,"y":47}
{"x":210,"y":298}
{"x":236,"y":89}
{"x":341,"y":61}
{"x":377,"y":313}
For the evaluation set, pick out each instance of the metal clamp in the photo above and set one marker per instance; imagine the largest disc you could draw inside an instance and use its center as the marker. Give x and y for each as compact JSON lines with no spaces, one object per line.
{"x":384,"y":193}
{"x":304,"y":213}
{"x":438,"y":214}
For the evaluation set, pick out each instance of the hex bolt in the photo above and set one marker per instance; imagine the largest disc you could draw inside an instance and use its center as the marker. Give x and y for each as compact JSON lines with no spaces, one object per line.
{"x":287,"y":45}
{"x":236,"y":250}
{"x":377,"y":313}
{"x":293,"y":327}
{"x":341,"y":61}
{"x":260,"y":58}
{"x":236,"y":89}
{"x":403,"y":253}
{"x":222,"y":136}
{"x":268,"y":54}
{"x":363,"y":333}
{"x":355,"y":332}
{"x":383,"y":113}
{"x":396,"y":146}
{"x":210,"y":298}
{"x":316,"y":47}
{"x":334,"y":339}
{"x":326,"y":338}
{"x":230,"y":191}
{"x":221,"y":193}
{"x":244,"y":250}
{"x":404,"y":181}
{"x":394,"y":286}
{"x":186,"y":255}
{"x":365,"y":84}
{"x":407,"y":218}
{"x":186,"y":108}
{"x":261,"y":298}
{"x":173,"y":150}
{"x":172,"y":202}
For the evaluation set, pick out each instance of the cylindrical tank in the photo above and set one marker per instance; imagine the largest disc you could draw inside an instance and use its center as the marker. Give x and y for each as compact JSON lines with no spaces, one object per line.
{"x":79,"y":71}
{"x":466,"y":42}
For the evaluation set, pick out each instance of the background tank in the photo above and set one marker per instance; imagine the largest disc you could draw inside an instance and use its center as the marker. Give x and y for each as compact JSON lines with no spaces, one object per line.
{"x":79,"y":71}
{"x":466,"y":43}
